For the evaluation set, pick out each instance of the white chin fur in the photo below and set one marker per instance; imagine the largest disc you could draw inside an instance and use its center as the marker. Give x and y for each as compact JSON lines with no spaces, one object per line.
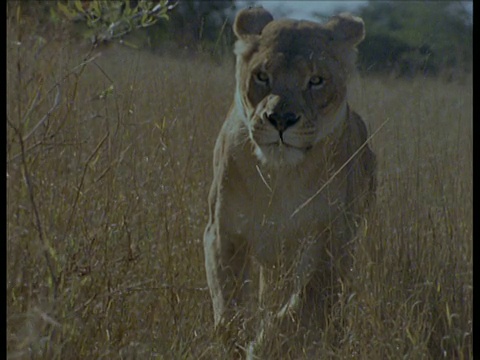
{"x":277,"y":156}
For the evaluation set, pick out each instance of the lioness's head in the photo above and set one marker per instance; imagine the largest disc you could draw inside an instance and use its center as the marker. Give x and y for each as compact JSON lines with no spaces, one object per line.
{"x":291,"y":80}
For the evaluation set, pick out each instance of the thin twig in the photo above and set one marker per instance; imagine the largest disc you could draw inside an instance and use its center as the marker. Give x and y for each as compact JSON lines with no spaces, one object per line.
{"x":84,"y":63}
{"x":47,"y":115}
{"x":38,"y":222}
{"x":79,"y":188}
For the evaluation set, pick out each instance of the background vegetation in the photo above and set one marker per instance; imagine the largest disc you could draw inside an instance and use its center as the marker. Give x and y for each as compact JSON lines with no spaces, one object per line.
{"x":404,"y":37}
{"x":410,"y":37}
{"x":108,"y":165}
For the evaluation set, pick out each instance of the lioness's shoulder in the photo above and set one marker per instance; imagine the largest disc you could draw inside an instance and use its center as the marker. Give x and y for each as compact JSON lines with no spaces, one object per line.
{"x":357,"y":141}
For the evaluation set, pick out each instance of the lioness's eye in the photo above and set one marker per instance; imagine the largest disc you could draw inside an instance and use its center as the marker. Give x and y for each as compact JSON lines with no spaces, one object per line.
{"x":262,"y":77}
{"x":316,"y":81}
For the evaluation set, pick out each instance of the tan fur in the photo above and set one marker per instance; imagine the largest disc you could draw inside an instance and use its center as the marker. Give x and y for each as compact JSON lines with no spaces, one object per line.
{"x":288,"y":131}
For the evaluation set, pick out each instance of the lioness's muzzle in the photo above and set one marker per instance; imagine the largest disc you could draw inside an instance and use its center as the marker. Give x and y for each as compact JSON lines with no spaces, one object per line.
{"x":282,"y":122}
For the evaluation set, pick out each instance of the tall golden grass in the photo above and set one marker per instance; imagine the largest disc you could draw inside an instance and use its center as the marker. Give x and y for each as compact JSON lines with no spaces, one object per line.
{"x":108,"y":167}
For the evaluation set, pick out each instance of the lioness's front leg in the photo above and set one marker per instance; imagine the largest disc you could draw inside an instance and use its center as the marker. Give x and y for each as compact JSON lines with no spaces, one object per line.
{"x":227,"y":266}
{"x":308,"y":263}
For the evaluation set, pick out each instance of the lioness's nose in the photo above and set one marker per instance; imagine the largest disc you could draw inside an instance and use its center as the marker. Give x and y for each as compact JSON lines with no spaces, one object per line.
{"x":282,"y":122}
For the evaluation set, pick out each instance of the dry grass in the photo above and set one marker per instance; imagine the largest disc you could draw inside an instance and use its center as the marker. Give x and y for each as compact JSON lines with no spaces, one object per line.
{"x":108,"y":166}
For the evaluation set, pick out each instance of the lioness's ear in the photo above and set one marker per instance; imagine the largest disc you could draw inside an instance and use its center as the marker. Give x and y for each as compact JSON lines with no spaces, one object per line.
{"x":251,"y":21}
{"x":347,"y":28}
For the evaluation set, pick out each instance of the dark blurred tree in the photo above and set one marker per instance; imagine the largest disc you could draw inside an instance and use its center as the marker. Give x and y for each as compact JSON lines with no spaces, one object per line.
{"x":407,"y":37}
{"x":197,"y":24}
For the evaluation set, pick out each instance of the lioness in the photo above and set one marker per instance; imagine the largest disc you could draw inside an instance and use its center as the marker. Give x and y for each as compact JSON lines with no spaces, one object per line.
{"x":292,"y":171}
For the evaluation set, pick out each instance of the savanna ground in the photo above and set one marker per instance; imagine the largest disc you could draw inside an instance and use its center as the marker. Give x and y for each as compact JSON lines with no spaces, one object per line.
{"x":108,"y":167}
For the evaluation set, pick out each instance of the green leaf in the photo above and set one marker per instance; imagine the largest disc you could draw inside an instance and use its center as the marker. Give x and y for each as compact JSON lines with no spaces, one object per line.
{"x":95,"y":9}
{"x":79,"y":7}
{"x":19,"y":13}
{"x":144,"y":19}
{"x":70,"y":14}
{"x":54,"y":15}
{"x":163,"y":16}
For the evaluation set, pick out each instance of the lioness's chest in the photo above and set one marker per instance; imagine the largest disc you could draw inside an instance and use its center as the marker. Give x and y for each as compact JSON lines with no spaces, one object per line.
{"x":260,"y":210}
